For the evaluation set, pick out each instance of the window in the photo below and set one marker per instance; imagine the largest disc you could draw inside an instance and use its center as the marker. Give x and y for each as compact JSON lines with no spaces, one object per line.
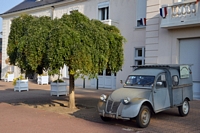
{"x":175,"y":80}
{"x":161,"y":82}
{"x":140,"y":56}
{"x":141,"y":13}
{"x":108,"y":72}
{"x":103,"y":11}
{"x":175,"y":1}
{"x":73,"y":9}
{"x":100,"y":73}
{"x":142,"y":80}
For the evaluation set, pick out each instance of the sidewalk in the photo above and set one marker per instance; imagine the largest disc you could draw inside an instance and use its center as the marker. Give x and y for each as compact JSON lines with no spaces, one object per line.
{"x":37,"y":111}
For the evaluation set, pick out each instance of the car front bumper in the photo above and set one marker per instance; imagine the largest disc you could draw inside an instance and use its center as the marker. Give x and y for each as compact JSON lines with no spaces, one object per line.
{"x":111,"y":115}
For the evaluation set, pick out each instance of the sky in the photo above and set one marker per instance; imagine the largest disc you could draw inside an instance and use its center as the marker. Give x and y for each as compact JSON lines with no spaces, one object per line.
{"x":6,"y":5}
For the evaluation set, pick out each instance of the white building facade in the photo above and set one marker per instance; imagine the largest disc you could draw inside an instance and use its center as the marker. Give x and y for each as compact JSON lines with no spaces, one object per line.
{"x":151,"y":39}
{"x":174,"y":39}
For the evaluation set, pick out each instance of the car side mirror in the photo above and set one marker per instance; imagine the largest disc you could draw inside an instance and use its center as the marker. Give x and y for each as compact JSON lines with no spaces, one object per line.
{"x":159,"y":83}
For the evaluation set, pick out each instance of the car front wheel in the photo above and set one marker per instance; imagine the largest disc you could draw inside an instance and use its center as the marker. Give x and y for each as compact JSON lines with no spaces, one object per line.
{"x":143,"y":117}
{"x":184,"y":108}
{"x":105,"y":118}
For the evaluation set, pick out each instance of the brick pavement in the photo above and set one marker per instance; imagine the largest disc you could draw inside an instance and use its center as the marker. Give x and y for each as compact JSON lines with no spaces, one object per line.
{"x":39,"y":99}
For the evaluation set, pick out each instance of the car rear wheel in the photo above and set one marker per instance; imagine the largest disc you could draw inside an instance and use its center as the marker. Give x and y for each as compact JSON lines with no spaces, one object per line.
{"x":105,"y":118}
{"x":143,"y":117}
{"x":184,"y":108}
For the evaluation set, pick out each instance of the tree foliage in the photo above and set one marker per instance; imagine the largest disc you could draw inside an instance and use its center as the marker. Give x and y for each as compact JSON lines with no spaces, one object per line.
{"x":86,"y":46}
{"x":27,"y":43}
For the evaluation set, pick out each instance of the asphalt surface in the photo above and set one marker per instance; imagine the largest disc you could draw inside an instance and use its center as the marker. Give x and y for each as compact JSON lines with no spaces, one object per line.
{"x":35,"y":111}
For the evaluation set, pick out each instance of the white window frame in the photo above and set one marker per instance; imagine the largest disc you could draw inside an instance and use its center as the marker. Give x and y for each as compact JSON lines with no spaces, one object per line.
{"x":73,"y":9}
{"x":140,"y":13}
{"x":139,"y":58}
{"x":101,"y":6}
{"x":177,"y":1}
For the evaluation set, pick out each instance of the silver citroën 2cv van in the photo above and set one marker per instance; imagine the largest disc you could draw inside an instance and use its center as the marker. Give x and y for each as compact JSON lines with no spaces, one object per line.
{"x":149,"y":89}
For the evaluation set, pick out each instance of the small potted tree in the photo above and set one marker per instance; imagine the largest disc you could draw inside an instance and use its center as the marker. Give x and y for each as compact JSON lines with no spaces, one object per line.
{"x":9,"y":75}
{"x":58,"y":87}
{"x":43,"y":79}
{"x":20,"y":84}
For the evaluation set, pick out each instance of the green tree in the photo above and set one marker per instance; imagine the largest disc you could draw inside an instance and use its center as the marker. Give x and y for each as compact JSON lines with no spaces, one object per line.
{"x":16,"y":44}
{"x":27,"y":43}
{"x":95,"y":47}
{"x":86,"y":46}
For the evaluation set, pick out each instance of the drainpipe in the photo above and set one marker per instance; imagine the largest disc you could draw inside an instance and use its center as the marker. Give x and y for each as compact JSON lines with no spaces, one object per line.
{"x":83,"y":82}
{"x":52,"y":12}
{"x":97,"y":84}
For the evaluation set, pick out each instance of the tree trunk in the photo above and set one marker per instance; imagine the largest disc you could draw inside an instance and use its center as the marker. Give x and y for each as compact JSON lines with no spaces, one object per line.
{"x":72,"y":104}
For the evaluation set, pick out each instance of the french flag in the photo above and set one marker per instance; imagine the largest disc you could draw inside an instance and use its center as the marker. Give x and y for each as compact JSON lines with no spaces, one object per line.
{"x":163,"y":12}
{"x":143,"y":21}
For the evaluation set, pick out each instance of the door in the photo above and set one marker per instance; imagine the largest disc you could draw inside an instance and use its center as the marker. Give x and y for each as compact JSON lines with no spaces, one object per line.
{"x":190,"y":54}
{"x":106,"y":79}
{"x":161,"y":98}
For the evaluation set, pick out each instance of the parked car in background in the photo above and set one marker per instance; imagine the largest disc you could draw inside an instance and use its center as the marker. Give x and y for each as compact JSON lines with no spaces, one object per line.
{"x":149,"y":89}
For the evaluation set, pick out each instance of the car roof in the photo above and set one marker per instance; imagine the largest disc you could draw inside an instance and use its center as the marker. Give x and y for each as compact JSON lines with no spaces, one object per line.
{"x":147,"y":71}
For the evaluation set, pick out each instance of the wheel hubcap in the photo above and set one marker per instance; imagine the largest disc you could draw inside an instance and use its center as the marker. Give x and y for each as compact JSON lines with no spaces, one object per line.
{"x":185,"y":107}
{"x":145,"y":117}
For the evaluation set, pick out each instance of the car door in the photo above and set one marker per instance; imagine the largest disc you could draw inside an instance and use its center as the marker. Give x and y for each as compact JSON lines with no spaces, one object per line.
{"x":161,"y":98}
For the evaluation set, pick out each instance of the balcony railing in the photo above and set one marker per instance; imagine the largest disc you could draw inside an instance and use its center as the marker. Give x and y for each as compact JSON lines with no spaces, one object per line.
{"x":182,"y":14}
{"x":110,"y":22}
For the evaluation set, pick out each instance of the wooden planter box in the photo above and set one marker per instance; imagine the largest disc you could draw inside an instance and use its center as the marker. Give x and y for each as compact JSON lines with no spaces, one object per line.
{"x":58,"y":89}
{"x":43,"y":80}
{"x":9,"y":78}
{"x":21,"y":85}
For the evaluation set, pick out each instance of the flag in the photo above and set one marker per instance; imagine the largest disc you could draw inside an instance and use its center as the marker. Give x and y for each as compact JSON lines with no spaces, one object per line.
{"x":163,"y":12}
{"x":143,"y":21}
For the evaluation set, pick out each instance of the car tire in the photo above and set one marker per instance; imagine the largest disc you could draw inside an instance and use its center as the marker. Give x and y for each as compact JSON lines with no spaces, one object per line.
{"x":106,"y":119}
{"x":184,"y":109}
{"x":144,"y":116}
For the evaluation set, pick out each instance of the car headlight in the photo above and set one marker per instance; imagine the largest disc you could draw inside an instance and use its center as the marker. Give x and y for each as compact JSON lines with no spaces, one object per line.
{"x":103,"y":97}
{"x":127,"y":100}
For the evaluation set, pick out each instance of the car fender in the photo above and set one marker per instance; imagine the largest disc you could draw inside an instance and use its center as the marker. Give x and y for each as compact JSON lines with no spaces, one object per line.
{"x":101,"y":106}
{"x":132,"y":109}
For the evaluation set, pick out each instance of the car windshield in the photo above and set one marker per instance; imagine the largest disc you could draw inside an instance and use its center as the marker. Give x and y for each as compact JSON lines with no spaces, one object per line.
{"x":133,"y":80}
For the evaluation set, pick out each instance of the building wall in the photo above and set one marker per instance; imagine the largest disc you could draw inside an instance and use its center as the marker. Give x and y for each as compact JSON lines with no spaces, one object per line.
{"x":156,"y":37}
{"x":124,"y":13}
{"x":163,"y":45}
{"x":0,"y":54}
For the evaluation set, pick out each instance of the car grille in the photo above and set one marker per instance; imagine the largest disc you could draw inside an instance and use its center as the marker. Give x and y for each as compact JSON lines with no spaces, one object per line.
{"x":112,"y":106}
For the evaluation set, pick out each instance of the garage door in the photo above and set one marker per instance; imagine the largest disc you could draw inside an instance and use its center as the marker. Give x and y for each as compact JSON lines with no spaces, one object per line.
{"x":190,"y":54}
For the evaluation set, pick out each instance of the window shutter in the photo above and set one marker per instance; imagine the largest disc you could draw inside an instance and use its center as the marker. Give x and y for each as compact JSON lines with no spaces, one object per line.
{"x":141,"y":9}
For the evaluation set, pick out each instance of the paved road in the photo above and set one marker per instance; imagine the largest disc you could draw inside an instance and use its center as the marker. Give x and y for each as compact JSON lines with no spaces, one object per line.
{"x":19,"y":119}
{"x":36,"y":111}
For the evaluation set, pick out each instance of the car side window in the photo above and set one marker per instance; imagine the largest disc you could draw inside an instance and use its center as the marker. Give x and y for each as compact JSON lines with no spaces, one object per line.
{"x":161,"y":81}
{"x":175,"y":80}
